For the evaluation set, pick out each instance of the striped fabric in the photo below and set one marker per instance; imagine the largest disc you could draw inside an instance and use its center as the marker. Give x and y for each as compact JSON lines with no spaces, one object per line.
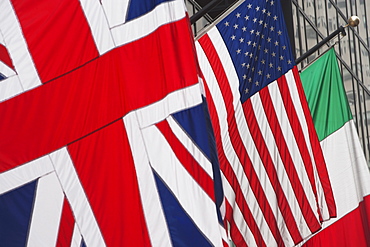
{"x":274,"y":175}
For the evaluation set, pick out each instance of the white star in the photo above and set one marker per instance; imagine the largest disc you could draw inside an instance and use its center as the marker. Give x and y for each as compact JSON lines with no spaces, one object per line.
{"x":279,"y":68}
{"x":244,"y":29}
{"x":238,"y":51}
{"x":249,"y":79}
{"x":275,"y":18}
{"x":236,"y":26}
{"x":263,"y":61}
{"x":246,"y":17}
{"x":276,"y":43}
{"x":254,"y":44}
{"x":254,"y":20}
{"x":246,"y":90}
{"x":233,"y":37}
{"x":246,"y":53}
{"x":284,"y":47}
{"x":238,"y":15}
{"x":273,"y":54}
{"x":251,"y":55}
{"x":271,"y":65}
{"x":265,"y":25}
{"x":258,"y":33}
{"x":257,"y":8}
{"x":252,"y":69}
{"x":249,"y":42}
{"x":260,"y":22}
{"x":268,"y":76}
{"x":264,"y":11}
{"x":257,"y":83}
{"x":227,"y":24}
{"x":244,"y":76}
{"x":268,"y":13}
{"x":249,"y":6}
{"x":241,"y":40}
{"x":248,"y":66}
{"x":260,"y":72}
{"x":266,"y":50}
{"x":251,"y":31}
{"x":269,"y":39}
{"x":281,"y":58}
{"x":272,"y":3}
{"x":272,"y":29}
{"x":289,"y":61}
{"x":262,"y":36}
{"x":280,"y":32}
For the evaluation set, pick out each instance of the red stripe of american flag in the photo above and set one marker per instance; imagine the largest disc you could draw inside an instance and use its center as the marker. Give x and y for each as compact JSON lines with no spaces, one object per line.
{"x":268,"y":163}
{"x":318,"y":155}
{"x":297,"y":131}
{"x":282,"y":146}
{"x":227,"y":170}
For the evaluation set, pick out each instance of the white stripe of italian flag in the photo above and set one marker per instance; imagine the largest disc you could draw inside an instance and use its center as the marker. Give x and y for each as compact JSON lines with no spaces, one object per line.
{"x":344,"y":156}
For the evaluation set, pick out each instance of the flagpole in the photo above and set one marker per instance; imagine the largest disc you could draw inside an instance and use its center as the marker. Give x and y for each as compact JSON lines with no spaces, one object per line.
{"x":353,"y":22}
{"x":204,"y":10}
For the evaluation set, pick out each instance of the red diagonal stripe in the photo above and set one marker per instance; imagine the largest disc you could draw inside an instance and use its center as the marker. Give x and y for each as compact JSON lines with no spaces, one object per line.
{"x":57,"y":43}
{"x":5,"y":57}
{"x":66,"y":226}
{"x":187,"y":160}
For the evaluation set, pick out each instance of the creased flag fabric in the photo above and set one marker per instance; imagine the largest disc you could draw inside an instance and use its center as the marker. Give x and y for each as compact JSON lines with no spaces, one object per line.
{"x":104,"y":134}
{"x":347,"y":166}
{"x":276,"y":186}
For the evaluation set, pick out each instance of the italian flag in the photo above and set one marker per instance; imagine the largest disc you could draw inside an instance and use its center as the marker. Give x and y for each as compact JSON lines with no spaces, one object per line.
{"x":345,"y":160}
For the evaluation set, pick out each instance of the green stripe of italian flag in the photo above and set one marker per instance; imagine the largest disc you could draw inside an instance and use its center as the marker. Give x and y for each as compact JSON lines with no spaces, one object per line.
{"x":345,"y":160}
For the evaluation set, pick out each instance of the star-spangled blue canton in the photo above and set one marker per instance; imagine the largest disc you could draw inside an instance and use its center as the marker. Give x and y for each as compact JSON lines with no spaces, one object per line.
{"x":257,"y":40}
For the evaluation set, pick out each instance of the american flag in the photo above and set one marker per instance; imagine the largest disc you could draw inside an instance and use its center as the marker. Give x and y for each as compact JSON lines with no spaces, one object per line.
{"x":104,"y":136}
{"x":274,"y":175}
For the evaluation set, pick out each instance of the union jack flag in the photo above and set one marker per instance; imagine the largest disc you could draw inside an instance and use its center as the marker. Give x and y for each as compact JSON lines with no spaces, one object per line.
{"x":104,"y":133}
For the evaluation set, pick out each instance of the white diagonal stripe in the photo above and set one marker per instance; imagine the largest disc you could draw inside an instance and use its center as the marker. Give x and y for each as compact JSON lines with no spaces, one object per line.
{"x":98,"y":23}
{"x":47,"y":211}
{"x":25,"y":173}
{"x":76,"y":196}
{"x":154,"y":216}
{"x":164,"y":13}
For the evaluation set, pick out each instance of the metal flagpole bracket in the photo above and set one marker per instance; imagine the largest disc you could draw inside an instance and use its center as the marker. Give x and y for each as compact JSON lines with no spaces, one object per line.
{"x":353,"y":22}
{"x":204,"y":10}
